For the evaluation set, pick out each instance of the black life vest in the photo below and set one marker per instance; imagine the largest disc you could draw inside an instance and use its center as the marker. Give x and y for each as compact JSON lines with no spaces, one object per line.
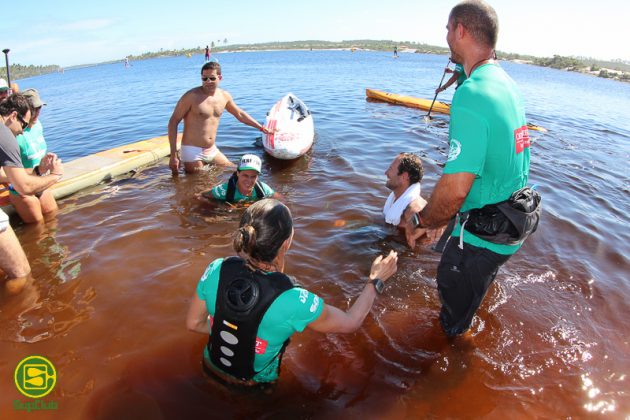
{"x":243,"y":297}
{"x":231,"y":189}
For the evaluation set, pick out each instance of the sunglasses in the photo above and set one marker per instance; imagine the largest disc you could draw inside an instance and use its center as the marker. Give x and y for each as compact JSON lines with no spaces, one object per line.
{"x":24,"y":123}
{"x":211,"y":78}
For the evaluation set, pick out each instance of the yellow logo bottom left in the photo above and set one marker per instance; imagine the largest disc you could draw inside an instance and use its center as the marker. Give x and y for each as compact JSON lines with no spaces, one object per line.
{"x":35,"y":376}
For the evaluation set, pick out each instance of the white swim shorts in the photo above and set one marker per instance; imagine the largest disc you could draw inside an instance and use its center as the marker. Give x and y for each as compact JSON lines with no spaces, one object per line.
{"x":196,"y":154}
{"x":4,"y":221}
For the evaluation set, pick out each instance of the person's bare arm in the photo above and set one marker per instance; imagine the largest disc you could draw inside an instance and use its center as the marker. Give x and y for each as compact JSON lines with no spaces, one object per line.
{"x":450,"y":81}
{"x":243,"y":116}
{"x":446,"y":200}
{"x":334,"y":320}
{"x":197,"y":318}
{"x":28,"y":184}
{"x":180,"y":111}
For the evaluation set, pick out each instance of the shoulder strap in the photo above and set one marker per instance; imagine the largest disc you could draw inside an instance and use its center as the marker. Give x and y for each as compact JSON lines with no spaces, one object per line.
{"x":231,"y":188}
{"x":260,"y":193}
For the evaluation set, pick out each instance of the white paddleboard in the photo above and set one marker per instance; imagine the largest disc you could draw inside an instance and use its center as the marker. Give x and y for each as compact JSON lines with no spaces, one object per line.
{"x":293,"y":130}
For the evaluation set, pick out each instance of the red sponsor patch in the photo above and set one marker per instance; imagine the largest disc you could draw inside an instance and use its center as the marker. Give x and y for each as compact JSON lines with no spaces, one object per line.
{"x":521,"y":139}
{"x":261,"y":346}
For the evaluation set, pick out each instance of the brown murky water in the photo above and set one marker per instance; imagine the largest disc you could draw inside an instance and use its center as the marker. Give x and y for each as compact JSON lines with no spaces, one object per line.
{"x":115,"y":271}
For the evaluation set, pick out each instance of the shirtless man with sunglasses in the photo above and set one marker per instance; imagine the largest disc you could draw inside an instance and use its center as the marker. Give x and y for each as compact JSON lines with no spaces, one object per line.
{"x":201,"y":110}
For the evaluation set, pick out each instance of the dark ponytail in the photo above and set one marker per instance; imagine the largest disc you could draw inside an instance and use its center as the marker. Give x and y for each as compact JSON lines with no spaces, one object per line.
{"x":264,"y":227}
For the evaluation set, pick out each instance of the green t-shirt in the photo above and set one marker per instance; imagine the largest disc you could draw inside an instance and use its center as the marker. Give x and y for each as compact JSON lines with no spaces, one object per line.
{"x":292,"y":311}
{"x":462,"y":74}
{"x":32,"y":145}
{"x":489,"y":138}
{"x":220,"y":191}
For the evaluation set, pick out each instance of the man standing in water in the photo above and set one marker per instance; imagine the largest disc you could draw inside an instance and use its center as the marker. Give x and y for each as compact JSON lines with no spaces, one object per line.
{"x":201,"y":109}
{"x":488,"y":161}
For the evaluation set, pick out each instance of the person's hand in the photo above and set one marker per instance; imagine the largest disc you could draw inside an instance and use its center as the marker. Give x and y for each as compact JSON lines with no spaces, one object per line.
{"x":173,"y":163}
{"x":414,"y":207}
{"x":448,"y":70}
{"x":432,"y":235}
{"x":384,"y":268}
{"x":438,"y":90}
{"x":46,"y":163}
{"x":204,"y":196}
{"x":57,"y":167}
{"x":412,"y":234}
{"x":266,"y":130}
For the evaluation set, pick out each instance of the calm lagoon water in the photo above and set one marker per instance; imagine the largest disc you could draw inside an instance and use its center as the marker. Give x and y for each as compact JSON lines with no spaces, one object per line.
{"x":116,"y":269}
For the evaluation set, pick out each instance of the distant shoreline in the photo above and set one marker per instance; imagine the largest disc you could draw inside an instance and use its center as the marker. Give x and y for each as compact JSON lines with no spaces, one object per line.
{"x":614,"y":70}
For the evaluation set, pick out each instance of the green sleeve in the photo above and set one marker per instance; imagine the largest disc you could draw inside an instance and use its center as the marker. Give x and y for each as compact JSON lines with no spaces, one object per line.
{"x":468,"y":142}
{"x":209,"y":283}
{"x":267,"y":189}
{"x":300,"y":307}
{"x":219,"y":192}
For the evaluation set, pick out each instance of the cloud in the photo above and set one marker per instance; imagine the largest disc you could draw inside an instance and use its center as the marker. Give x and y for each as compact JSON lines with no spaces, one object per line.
{"x":87,"y":25}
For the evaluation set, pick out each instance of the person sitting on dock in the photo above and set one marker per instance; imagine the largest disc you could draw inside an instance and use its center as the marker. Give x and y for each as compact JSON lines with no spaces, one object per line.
{"x":403,"y":179}
{"x":201,"y":110}
{"x":243,"y":186}
{"x":33,"y":208}
{"x":250,"y":308}
{"x":15,"y":114}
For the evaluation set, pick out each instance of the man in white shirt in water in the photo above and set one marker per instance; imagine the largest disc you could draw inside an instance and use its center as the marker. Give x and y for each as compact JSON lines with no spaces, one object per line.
{"x":403,"y":179}
{"x":201,"y":109}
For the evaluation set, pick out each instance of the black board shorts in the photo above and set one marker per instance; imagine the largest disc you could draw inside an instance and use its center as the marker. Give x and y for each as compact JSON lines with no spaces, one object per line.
{"x":463,"y":278}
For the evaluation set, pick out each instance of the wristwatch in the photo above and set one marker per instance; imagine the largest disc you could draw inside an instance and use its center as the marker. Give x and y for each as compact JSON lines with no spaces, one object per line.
{"x":378,"y":285}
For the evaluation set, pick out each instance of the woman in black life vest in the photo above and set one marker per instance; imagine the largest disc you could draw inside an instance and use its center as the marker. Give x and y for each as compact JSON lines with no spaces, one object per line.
{"x":251,"y":308}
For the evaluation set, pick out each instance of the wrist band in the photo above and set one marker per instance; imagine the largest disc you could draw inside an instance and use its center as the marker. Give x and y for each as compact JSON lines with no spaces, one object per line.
{"x":420,"y":222}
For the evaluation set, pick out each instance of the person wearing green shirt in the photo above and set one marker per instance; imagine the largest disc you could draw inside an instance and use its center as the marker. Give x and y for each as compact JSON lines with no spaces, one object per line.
{"x":244,"y":186}
{"x":488,"y":161}
{"x":33,"y":208}
{"x":458,"y":76}
{"x":250,"y":308}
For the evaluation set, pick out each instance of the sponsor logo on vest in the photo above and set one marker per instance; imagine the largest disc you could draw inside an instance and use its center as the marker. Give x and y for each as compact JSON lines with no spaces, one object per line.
{"x":35,"y":377}
{"x":454,"y":151}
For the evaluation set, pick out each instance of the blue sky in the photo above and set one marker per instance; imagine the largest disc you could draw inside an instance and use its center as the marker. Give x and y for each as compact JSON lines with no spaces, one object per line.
{"x":69,"y":32}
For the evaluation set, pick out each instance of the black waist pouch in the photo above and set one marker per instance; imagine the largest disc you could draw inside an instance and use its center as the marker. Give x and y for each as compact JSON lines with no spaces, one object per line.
{"x":509,"y":222}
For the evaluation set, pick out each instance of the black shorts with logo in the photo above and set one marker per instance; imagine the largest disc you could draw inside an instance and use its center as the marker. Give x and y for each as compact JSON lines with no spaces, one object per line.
{"x":463,"y":278}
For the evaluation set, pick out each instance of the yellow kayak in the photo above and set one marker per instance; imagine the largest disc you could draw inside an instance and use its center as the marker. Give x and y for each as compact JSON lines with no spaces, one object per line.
{"x":424,"y":104}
